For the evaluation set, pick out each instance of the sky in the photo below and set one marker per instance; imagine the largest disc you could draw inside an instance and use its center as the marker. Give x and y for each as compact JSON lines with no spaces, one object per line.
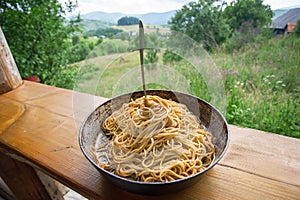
{"x":146,"y":6}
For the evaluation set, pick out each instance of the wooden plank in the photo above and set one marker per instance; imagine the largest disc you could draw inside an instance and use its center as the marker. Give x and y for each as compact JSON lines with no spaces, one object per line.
{"x":46,"y":135}
{"x":264,"y":154}
{"x":21,"y":179}
{"x":11,"y":111}
{"x":220,"y":183}
{"x":9,"y":73}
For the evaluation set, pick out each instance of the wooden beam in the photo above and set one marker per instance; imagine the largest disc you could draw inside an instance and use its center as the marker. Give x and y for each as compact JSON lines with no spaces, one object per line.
{"x":21,"y":179}
{"x":9,"y":74}
{"x":5,"y":192}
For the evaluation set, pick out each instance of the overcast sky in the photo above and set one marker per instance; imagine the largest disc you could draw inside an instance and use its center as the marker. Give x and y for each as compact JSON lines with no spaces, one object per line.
{"x":146,"y":6}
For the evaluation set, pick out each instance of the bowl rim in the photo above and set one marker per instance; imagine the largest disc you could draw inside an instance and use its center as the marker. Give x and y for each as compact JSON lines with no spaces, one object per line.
{"x":80,"y":140}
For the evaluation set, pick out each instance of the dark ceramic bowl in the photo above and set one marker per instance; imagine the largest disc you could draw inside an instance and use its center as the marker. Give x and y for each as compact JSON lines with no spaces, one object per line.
{"x":210,"y":117}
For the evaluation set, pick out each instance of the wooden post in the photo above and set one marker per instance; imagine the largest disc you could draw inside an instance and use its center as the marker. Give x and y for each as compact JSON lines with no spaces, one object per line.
{"x":22,"y":179}
{"x":9,"y":74}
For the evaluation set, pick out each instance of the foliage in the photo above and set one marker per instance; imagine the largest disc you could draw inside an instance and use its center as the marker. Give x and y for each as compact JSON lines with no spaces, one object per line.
{"x":261,"y":83}
{"x":106,"y":32}
{"x":151,"y":40}
{"x":297,"y":29}
{"x":110,"y":46}
{"x":81,"y":48}
{"x":239,"y":41}
{"x":249,"y":13}
{"x":122,"y":36}
{"x":169,"y":57}
{"x":247,"y":20}
{"x":263,"y":86}
{"x":151,"y":56}
{"x":37,"y":34}
{"x":87,"y":24}
{"x":124,"y":21}
{"x":203,"y":22}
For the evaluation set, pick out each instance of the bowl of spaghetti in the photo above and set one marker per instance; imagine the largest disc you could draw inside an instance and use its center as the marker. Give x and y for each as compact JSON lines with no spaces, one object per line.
{"x":154,"y":144}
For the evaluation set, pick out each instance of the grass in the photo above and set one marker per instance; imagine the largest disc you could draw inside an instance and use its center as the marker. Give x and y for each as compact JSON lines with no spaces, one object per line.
{"x":262,"y":83}
{"x":263,"y":86}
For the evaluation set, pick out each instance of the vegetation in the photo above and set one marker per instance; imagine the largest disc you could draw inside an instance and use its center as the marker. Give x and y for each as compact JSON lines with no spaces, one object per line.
{"x":81,"y":47}
{"x":251,"y":13}
{"x":87,"y":24}
{"x":261,"y":72}
{"x":261,"y":83}
{"x":203,"y":22}
{"x":151,"y":56}
{"x":38,"y":36}
{"x":124,"y":21}
{"x":103,"y":32}
{"x":207,"y":22}
{"x":297,"y":29}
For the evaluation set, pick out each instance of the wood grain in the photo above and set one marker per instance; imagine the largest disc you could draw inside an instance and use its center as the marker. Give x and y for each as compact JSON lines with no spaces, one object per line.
{"x":11,"y":111}
{"x":257,"y":165}
{"x":264,"y":154}
{"x":9,"y":73}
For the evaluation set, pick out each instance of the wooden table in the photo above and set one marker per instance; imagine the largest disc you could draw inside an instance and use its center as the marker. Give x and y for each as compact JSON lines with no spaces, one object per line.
{"x":38,"y":131}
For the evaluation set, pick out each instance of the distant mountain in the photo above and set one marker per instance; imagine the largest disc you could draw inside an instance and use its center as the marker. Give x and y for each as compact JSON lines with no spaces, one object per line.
{"x":154,"y":18}
{"x":103,"y":16}
{"x":157,"y":18}
{"x":149,"y":18}
{"x":281,"y":11}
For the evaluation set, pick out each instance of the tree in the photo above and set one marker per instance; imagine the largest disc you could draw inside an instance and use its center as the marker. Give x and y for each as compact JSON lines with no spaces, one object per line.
{"x":247,"y":19}
{"x":169,"y":57}
{"x":151,"y":40}
{"x":151,"y":56}
{"x":251,"y":13}
{"x":124,"y":21}
{"x":39,"y":37}
{"x":203,"y":22}
{"x":107,"y":32}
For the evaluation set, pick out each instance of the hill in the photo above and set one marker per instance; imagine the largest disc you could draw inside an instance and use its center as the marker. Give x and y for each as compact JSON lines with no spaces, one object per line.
{"x":281,"y":11}
{"x":103,"y":16}
{"x":154,"y":18}
{"x":88,"y":24}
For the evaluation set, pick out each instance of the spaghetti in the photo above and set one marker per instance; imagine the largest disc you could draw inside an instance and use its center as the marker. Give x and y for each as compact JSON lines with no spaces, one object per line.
{"x":160,"y":142}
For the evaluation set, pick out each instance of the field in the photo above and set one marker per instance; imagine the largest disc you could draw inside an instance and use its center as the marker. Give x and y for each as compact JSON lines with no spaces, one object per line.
{"x":262,"y":86}
{"x":148,"y":29}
